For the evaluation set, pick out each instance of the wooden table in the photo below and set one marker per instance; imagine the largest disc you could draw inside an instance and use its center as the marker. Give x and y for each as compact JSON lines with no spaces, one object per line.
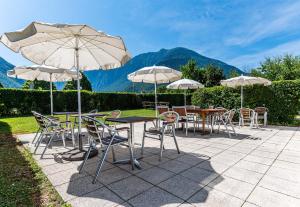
{"x":204,"y":113}
{"x":131,"y":120}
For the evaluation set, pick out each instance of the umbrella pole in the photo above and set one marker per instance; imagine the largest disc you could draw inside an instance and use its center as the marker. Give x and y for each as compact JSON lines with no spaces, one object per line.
{"x":242,"y":94}
{"x":51,"y":95}
{"x":155,"y":93}
{"x":184,"y":97}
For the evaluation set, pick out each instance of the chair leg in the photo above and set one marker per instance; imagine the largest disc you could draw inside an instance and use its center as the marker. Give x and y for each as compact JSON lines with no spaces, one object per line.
{"x":100,"y":164}
{"x":85,"y":158}
{"x":174,"y":137}
{"x":161,"y":146}
{"x":36,"y":135}
{"x":186,"y":128}
{"x":48,"y":144}
{"x":63,"y":138}
{"x":113,"y":153}
{"x":143,"y":143}
{"x":37,"y":144}
{"x":233,"y":129}
{"x":73,"y":138}
{"x":131,"y":156}
{"x":225,"y":125}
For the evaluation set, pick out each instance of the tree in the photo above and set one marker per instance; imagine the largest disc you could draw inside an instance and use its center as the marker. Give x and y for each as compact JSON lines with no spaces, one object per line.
{"x":38,"y":85}
{"x":212,"y":75}
{"x":84,"y":83}
{"x":279,"y":68}
{"x":192,"y":71}
{"x":1,"y":86}
{"x":233,"y":74}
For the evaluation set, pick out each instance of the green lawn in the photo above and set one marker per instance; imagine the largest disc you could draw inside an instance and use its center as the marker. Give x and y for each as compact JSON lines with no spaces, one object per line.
{"x":27,"y":124}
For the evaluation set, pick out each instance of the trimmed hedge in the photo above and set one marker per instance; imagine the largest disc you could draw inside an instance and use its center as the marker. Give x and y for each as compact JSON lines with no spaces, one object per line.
{"x":282,"y":98}
{"x":15,"y":102}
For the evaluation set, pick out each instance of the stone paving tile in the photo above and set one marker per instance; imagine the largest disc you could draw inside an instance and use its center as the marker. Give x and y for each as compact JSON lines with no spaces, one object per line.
{"x":281,"y":185}
{"x":180,"y":186}
{"x":286,"y":174}
{"x":256,"y":167}
{"x":266,"y":154}
{"x":112,"y":175}
{"x":91,"y":167}
{"x":216,"y":167}
{"x":199,"y":175}
{"x":154,"y":160}
{"x":155,"y":175}
{"x":174,"y":166}
{"x":77,"y":188}
{"x":192,"y":159}
{"x":243,"y":175}
{"x":289,"y":159}
{"x":267,"y":198}
{"x":247,"y":204}
{"x":155,"y":197}
{"x":211,"y":197}
{"x":286,"y":165}
{"x":65,"y":176}
{"x":102,"y":197}
{"x":128,"y":168}
{"x":232,"y":187}
{"x":129,"y":187}
{"x":261,"y":160}
{"x":51,"y":169}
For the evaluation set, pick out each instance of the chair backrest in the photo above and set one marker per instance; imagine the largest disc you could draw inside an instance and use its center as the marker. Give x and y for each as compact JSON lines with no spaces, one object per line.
{"x":190,"y":107}
{"x":162,"y":109}
{"x":93,"y":111}
{"x":93,"y":125}
{"x":229,"y":115}
{"x":169,"y":117}
{"x":181,"y":110}
{"x":246,"y":113}
{"x":261,"y":110}
{"x":39,"y":119}
{"x":115,"y":114}
{"x":220,"y":107}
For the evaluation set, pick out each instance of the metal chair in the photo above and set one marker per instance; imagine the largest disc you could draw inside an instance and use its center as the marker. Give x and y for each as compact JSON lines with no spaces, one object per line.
{"x":261,"y":113}
{"x":96,"y":130}
{"x":115,"y":114}
{"x":185,"y":118}
{"x":169,"y":120}
{"x":76,"y":122}
{"x":162,"y":109}
{"x":247,"y":114}
{"x":226,"y":120}
{"x":49,"y":129}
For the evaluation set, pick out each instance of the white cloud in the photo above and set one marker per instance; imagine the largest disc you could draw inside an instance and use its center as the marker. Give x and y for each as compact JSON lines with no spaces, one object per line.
{"x":252,"y":60}
{"x":281,"y":18}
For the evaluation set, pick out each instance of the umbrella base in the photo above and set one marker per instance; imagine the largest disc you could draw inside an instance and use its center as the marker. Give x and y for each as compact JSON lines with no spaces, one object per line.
{"x":77,"y":154}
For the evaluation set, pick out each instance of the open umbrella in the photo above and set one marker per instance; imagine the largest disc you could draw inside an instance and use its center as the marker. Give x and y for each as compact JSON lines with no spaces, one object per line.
{"x":185,"y":84}
{"x":244,"y":81}
{"x":67,"y":46}
{"x":43,"y":73}
{"x":156,"y":75}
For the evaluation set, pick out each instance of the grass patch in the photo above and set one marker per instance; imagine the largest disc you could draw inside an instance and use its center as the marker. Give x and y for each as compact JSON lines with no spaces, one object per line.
{"x":27,"y":124}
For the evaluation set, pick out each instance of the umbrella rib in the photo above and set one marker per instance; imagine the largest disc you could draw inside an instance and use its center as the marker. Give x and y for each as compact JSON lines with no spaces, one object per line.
{"x":103,"y":43}
{"x":93,"y":56}
{"x":106,"y":52}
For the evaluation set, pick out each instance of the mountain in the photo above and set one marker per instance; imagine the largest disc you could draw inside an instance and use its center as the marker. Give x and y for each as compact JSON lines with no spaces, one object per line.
{"x":116,"y":80}
{"x":6,"y":81}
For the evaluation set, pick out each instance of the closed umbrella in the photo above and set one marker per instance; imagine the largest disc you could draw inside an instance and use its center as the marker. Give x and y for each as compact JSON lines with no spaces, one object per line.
{"x":156,"y":75}
{"x":244,"y":81}
{"x":185,"y":84}
{"x":67,"y":46}
{"x":43,"y":73}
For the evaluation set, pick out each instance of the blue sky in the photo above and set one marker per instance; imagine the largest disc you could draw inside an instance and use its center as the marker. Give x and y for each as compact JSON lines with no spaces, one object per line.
{"x":240,"y":32}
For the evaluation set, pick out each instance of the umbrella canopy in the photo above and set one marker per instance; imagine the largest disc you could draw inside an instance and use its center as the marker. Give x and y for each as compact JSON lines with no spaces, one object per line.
{"x":244,"y":81}
{"x":156,"y":75}
{"x":185,"y":84}
{"x":43,"y":73}
{"x":68,"y":46}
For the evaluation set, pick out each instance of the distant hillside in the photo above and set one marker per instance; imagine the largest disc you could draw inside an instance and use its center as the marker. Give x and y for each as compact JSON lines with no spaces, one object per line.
{"x":6,"y":81}
{"x":116,"y":80}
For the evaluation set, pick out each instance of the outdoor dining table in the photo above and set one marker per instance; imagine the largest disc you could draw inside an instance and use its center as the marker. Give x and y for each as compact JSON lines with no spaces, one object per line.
{"x":204,"y":113}
{"x":131,"y":120}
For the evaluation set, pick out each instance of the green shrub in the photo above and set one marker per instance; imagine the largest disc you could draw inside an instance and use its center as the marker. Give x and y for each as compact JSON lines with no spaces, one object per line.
{"x":22,"y":102}
{"x":282,"y":98}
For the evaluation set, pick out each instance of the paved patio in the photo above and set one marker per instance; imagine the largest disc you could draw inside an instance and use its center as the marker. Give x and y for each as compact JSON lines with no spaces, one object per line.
{"x":259,"y":167}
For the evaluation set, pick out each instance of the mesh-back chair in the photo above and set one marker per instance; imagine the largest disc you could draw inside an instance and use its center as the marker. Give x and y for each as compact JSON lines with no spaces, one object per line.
{"x":49,"y":129}
{"x":185,"y":118}
{"x":215,"y":117}
{"x":169,"y":120}
{"x":76,"y":121}
{"x":41,"y":126}
{"x":226,"y":120}
{"x":261,"y":113}
{"x":108,"y":137}
{"x":115,"y":114}
{"x":247,"y":115}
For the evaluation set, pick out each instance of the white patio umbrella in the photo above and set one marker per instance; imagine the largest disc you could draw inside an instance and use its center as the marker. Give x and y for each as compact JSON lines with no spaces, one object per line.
{"x":244,"y":81}
{"x":156,"y":75}
{"x":43,"y":73}
{"x":185,"y":84}
{"x":67,"y":46}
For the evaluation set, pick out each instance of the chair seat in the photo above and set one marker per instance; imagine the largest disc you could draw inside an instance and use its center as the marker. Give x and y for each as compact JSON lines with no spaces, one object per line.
{"x":117,"y":140}
{"x":122,"y":128}
{"x":154,"y":130}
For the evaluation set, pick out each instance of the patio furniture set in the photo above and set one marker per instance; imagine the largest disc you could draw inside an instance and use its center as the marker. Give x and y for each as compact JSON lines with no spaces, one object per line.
{"x":102,"y":129}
